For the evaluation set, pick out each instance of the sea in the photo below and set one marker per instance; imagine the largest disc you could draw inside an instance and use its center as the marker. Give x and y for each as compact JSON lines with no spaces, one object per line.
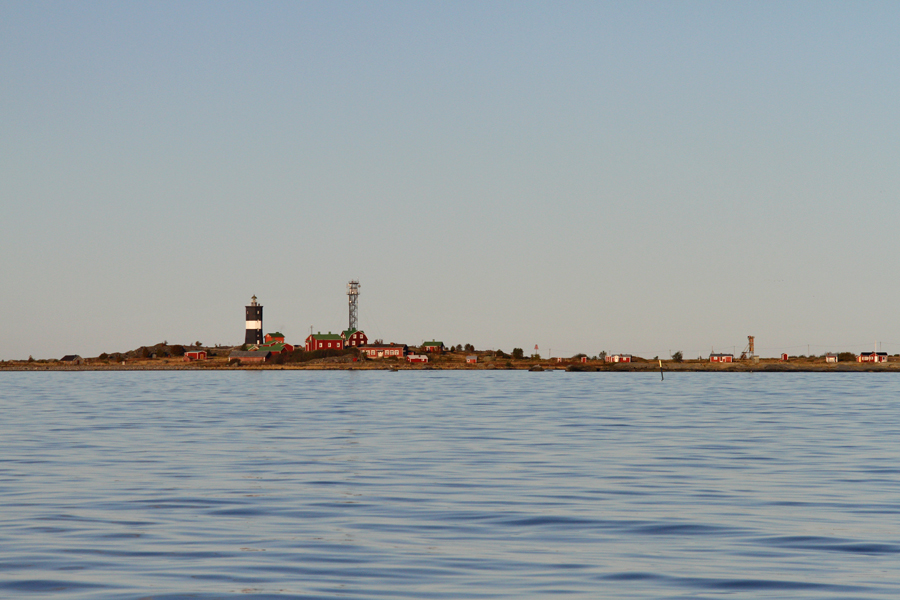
{"x":449,"y":485}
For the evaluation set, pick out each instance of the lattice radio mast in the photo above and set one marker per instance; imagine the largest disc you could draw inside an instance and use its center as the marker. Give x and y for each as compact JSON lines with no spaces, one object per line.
{"x":353,"y":299}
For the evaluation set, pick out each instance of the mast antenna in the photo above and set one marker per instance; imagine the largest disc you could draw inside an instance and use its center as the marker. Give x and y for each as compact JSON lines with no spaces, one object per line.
{"x":353,"y":300}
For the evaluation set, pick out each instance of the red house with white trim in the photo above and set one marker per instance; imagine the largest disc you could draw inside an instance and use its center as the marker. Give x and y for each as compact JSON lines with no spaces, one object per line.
{"x":875,"y":357}
{"x":385,"y":351}
{"x":721,"y":358}
{"x":191,"y":355}
{"x":353,"y":338}
{"x":324,"y":341}
{"x":618,"y":358}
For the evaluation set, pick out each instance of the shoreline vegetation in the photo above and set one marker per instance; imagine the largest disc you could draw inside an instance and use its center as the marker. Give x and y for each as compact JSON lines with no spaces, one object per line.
{"x":170,"y":358}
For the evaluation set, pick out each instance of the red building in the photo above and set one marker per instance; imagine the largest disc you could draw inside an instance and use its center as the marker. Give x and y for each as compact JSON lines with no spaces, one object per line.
{"x":875,"y":357}
{"x":385,"y":351}
{"x":433,"y":346}
{"x":274,"y":337}
{"x":190,"y":355}
{"x":618,"y":358}
{"x":353,"y":338}
{"x":277,"y":348}
{"x":721,"y":358}
{"x":324,"y":341}
{"x":472,"y":359}
{"x":250,"y":356}
{"x":417,"y":358}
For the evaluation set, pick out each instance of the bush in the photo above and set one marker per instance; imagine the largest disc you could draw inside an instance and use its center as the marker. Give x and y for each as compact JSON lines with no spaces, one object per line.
{"x":518,"y":353}
{"x":846,"y":357}
{"x":470,"y":348}
{"x":678,"y":356}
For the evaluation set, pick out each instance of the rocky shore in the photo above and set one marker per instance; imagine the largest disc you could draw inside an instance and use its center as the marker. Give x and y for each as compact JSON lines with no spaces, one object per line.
{"x":458,"y":363}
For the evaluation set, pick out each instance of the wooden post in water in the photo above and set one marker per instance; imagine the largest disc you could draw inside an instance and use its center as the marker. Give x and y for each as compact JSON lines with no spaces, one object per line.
{"x":661,"y":376}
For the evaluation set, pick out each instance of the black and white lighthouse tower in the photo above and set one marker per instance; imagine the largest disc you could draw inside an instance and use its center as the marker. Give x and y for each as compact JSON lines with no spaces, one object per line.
{"x":254,"y":333}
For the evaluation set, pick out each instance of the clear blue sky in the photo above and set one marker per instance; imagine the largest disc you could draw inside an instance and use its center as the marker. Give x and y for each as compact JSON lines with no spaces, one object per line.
{"x":630,"y":177}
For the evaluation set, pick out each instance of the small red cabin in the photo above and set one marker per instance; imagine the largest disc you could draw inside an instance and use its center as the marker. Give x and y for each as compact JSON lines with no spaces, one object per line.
{"x":433,"y":346}
{"x":875,"y":357}
{"x":191,"y":355}
{"x":721,"y":358}
{"x":618,"y":358}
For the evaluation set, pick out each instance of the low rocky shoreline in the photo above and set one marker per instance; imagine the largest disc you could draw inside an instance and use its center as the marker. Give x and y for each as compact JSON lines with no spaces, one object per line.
{"x":764,"y":366}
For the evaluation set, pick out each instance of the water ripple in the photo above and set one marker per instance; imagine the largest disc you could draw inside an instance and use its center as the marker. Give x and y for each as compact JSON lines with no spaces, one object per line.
{"x":363,"y":485}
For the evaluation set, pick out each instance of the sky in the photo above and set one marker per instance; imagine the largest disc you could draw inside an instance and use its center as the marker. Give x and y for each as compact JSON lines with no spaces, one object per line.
{"x":634,"y":177}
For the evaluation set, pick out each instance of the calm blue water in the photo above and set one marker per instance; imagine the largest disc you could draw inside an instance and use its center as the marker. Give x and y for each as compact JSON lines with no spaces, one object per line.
{"x":432,"y":484}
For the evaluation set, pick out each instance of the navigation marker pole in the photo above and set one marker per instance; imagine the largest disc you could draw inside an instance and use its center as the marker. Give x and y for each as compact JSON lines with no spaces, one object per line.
{"x":662,"y":377}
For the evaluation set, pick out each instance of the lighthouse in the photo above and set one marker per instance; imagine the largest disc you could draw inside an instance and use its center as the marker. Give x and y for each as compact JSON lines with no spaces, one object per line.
{"x":254,"y":333}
